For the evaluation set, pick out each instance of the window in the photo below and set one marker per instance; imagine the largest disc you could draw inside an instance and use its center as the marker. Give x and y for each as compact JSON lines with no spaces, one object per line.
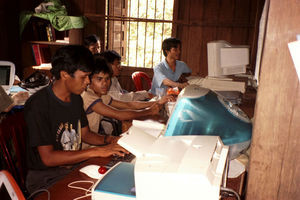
{"x":136,"y":29}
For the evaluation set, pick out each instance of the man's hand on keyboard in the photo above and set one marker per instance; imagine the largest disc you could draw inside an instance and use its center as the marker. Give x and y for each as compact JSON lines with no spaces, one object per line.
{"x":111,"y":149}
{"x":115,"y":159}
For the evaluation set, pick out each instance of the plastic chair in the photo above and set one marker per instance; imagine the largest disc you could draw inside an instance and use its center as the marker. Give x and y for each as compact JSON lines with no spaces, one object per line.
{"x":13,"y":131}
{"x":10,"y":185}
{"x":138,"y":78}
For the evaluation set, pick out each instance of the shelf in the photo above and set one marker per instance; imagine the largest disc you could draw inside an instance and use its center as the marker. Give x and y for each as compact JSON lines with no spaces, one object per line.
{"x":50,"y":43}
{"x":44,"y":66}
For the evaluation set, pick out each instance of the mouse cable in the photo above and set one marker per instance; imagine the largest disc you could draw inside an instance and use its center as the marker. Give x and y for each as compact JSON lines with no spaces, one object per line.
{"x":87,"y":191}
{"x":38,"y":191}
{"x":228,"y":190}
{"x":84,"y":196}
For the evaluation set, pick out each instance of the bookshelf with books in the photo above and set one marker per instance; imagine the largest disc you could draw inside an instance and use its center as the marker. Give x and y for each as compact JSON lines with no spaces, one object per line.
{"x":40,"y":42}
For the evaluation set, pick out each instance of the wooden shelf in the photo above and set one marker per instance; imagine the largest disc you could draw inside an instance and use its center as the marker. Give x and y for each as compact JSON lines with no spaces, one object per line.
{"x":49,"y":43}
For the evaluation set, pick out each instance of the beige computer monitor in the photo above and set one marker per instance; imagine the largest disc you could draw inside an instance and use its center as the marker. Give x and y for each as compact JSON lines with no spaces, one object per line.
{"x":225,"y":59}
{"x":7,"y":75}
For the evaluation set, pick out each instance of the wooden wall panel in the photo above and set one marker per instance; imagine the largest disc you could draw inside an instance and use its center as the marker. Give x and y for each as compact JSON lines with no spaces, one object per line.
{"x":242,"y":10}
{"x":11,"y":48}
{"x":199,"y":22}
{"x":256,"y":10}
{"x":274,"y":162}
{"x":196,"y":23}
{"x":95,"y":24}
{"x":195,"y":7}
{"x":210,"y":10}
{"x":207,"y":36}
{"x":75,"y":7}
{"x":290,"y":181}
{"x":193,"y":51}
{"x":183,"y":30}
{"x":9,"y":34}
{"x":184,"y":7}
{"x":227,"y":14}
{"x":239,"y":36}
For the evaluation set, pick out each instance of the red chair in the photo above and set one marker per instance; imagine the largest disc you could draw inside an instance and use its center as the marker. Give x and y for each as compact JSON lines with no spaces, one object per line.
{"x":139,"y":78}
{"x":13,"y":133}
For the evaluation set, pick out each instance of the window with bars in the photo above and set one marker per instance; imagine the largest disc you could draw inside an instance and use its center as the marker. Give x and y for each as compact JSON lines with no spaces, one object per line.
{"x":136,"y":29}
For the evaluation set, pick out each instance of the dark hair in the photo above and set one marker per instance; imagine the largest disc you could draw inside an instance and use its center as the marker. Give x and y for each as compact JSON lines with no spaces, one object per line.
{"x":101,"y":65}
{"x":89,"y":40}
{"x":170,"y":43}
{"x":110,"y":56}
{"x":70,"y":59}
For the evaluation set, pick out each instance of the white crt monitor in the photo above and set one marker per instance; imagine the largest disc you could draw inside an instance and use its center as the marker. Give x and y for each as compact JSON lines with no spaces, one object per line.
{"x":7,"y":75}
{"x":226,"y":59}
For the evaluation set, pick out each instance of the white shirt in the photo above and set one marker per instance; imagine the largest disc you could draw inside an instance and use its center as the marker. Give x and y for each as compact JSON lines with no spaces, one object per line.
{"x":116,"y":92}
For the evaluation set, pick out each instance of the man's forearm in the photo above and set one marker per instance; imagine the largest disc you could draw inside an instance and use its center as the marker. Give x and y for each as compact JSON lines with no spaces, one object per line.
{"x":135,"y":105}
{"x":168,"y":82}
{"x":132,"y":114}
{"x":93,"y":138}
{"x":52,"y":158}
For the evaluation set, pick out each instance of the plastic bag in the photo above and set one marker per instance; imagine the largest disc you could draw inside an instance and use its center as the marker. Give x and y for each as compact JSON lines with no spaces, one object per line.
{"x":35,"y":80}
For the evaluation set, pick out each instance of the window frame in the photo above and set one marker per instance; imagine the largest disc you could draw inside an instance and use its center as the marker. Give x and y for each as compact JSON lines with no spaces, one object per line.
{"x":114,"y":14}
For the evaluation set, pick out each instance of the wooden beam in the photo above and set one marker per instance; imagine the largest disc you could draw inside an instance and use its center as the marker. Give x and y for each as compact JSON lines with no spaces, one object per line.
{"x":274,"y":162}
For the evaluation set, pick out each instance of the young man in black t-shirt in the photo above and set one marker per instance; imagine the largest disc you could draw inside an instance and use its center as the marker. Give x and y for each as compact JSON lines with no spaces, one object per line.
{"x":57,"y":123}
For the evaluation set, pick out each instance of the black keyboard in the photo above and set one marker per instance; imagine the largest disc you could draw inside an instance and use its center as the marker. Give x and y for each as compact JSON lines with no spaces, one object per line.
{"x":115,"y":159}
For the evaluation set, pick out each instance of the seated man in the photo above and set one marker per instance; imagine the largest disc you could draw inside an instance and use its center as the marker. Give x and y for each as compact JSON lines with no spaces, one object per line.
{"x":170,"y":72}
{"x":92,"y":42}
{"x":115,"y":91}
{"x":97,"y":104}
{"x":57,"y":122}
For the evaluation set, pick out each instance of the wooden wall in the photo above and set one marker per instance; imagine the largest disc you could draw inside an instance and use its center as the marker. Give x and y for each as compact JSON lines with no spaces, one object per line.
{"x":91,"y":9}
{"x":9,"y":37}
{"x":196,"y":23}
{"x":274,"y":163}
{"x":11,"y":42}
{"x":275,"y":150}
{"x":202,"y":21}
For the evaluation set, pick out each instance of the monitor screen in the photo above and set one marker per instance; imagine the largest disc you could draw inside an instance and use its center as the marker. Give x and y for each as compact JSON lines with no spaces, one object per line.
{"x":4,"y":75}
{"x":7,"y":75}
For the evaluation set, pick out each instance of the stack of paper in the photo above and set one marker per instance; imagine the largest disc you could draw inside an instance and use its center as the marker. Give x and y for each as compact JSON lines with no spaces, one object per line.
{"x":149,"y":126}
{"x":136,"y":141}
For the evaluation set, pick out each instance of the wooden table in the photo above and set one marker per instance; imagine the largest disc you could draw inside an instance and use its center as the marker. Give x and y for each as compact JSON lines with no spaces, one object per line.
{"x":61,"y":191}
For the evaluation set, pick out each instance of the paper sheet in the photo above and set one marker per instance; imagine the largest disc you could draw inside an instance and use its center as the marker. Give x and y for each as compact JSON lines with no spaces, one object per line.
{"x":236,"y":168}
{"x":149,"y":126}
{"x":295,"y":53}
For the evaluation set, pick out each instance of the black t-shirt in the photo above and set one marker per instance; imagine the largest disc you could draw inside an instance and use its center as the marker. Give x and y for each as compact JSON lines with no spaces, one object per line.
{"x":51,"y":121}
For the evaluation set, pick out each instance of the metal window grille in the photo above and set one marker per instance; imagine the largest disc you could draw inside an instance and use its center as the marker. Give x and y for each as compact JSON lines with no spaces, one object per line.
{"x":136,"y":29}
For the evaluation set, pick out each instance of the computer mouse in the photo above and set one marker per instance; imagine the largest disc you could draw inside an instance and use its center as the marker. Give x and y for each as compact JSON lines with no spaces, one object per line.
{"x":92,"y":171}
